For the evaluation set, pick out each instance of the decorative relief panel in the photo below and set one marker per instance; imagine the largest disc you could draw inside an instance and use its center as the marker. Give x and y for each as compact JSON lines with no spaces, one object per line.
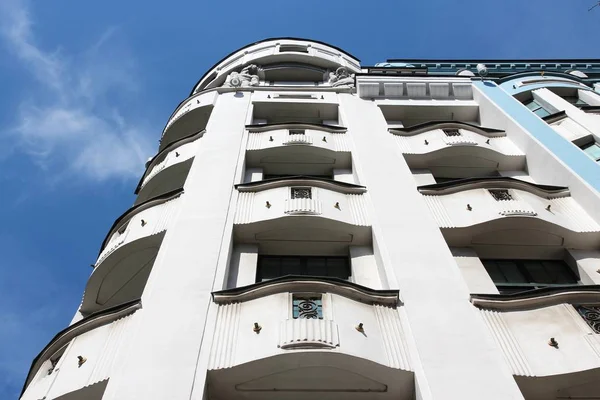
{"x":393,"y":336}
{"x":307,"y":333}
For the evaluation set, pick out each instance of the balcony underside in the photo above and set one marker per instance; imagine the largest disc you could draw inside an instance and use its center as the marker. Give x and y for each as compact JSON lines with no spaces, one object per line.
{"x":122,"y":276}
{"x":523,"y":231}
{"x":298,"y":160}
{"x":167,"y":180}
{"x":465,"y":161}
{"x":315,"y":374}
{"x":189,"y":123}
{"x":576,"y":385}
{"x":303,"y":235}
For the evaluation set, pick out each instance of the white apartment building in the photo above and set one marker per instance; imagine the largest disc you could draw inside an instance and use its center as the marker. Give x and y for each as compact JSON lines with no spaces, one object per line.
{"x":311,"y":228}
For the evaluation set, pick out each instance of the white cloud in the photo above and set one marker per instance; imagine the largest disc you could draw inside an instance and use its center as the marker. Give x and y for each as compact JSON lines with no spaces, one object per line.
{"x":69,"y":124}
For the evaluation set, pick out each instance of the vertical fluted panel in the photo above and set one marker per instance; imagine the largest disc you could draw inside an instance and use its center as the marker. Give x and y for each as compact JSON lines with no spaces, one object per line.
{"x":340,"y":142}
{"x":308,"y":332}
{"x":298,"y":139}
{"x":579,"y":220}
{"x":302,"y":206}
{"x":254,"y":141}
{"x":104,"y":365}
{"x":404,"y":144}
{"x":394,"y":339}
{"x":438,"y":211}
{"x":514,"y":207}
{"x":504,"y":338}
{"x":166,"y":213}
{"x":358,"y":209}
{"x":222,"y":354}
{"x":465,"y":139}
{"x":245,"y":203}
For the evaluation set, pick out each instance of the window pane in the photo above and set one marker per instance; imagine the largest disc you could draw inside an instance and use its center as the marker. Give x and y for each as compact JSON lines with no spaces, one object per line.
{"x":494,"y":271}
{"x":537,"y":271}
{"x":316,"y":266}
{"x":269,"y":268}
{"x":511,"y":272}
{"x":338,"y":268}
{"x":593,"y":151}
{"x":291,"y":266}
{"x":541,"y":112}
{"x":559,"y":272}
{"x":307,"y":308}
{"x":532,"y":105}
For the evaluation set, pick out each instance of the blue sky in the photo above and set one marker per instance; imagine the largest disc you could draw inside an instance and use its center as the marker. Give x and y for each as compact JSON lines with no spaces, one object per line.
{"x":86,"y":88}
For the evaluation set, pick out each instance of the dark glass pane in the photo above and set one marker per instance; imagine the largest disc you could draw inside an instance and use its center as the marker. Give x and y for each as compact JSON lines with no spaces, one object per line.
{"x":537,"y":272}
{"x":541,"y":112}
{"x":532,"y":105}
{"x":494,"y":271}
{"x":291,"y":266}
{"x":338,"y":268}
{"x":559,"y":272}
{"x":269,"y":268}
{"x":316,"y":266}
{"x":511,"y":272}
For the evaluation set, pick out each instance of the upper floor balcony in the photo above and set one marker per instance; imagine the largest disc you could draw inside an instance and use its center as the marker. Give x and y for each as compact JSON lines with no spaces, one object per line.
{"x":128,"y":253}
{"x":168,"y":170}
{"x":190,"y":117}
{"x":550,"y":338}
{"x":79,"y":361}
{"x":508,"y":211}
{"x":280,"y":60}
{"x":295,"y":335}
{"x":301,"y":208}
{"x":458,"y":149}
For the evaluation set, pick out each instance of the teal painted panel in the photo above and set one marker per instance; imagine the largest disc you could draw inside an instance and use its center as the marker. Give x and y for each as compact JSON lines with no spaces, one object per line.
{"x":569,"y":154}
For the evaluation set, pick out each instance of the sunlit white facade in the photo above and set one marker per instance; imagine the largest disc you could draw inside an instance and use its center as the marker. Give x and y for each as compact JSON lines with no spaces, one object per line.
{"x":311,"y":228}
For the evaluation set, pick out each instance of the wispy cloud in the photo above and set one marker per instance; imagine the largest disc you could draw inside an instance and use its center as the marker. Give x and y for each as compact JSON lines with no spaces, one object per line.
{"x":73,"y":123}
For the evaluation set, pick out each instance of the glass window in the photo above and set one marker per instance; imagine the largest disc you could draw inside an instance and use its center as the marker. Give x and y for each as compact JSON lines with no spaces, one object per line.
{"x":537,"y":109}
{"x":593,"y":151}
{"x":307,"y":307}
{"x":301,"y":193}
{"x":575,"y":100}
{"x":501,"y":194}
{"x":516,"y":275}
{"x":270,"y":267}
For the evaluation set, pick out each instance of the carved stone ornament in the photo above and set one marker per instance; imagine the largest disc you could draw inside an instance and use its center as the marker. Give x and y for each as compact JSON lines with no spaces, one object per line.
{"x":341,"y":77}
{"x":248,"y":76}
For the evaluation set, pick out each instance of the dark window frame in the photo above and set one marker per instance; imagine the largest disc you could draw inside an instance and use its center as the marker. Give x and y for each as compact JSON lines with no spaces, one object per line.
{"x":501,"y":194}
{"x":303,"y":266}
{"x":452,"y":132}
{"x":526,"y":273}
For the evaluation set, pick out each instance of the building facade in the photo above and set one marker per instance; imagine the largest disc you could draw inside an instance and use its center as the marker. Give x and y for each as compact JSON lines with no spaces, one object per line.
{"x":313,"y":228}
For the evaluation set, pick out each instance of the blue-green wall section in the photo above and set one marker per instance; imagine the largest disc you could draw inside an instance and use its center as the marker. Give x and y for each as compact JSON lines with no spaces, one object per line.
{"x":563,"y":149}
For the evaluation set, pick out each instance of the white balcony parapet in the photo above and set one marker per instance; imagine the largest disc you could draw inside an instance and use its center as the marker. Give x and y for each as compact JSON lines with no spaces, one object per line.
{"x":298,"y":139}
{"x":302,"y":207}
{"x":308,"y":333}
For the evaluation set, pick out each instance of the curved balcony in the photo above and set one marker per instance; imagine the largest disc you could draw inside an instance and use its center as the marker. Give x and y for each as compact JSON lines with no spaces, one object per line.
{"x":524,"y":323}
{"x":279,"y":53}
{"x":458,"y":148}
{"x":189,"y":117}
{"x":357,"y":344}
{"x":56,"y":370}
{"x":290,"y":147}
{"x":128,"y":253}
{"x":507,"y":211}
{"x":329,"y":211}
{"x":169,"y":169}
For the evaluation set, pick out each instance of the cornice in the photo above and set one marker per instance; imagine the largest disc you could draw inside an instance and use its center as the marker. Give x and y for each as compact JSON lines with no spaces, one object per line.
{"x":538,"y":298}
{"x":302,"y":283}
{"x":500,"y":182}
{"x":431,"y":125}
{"x":330,"y":184}
{"x":295,"y":125}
